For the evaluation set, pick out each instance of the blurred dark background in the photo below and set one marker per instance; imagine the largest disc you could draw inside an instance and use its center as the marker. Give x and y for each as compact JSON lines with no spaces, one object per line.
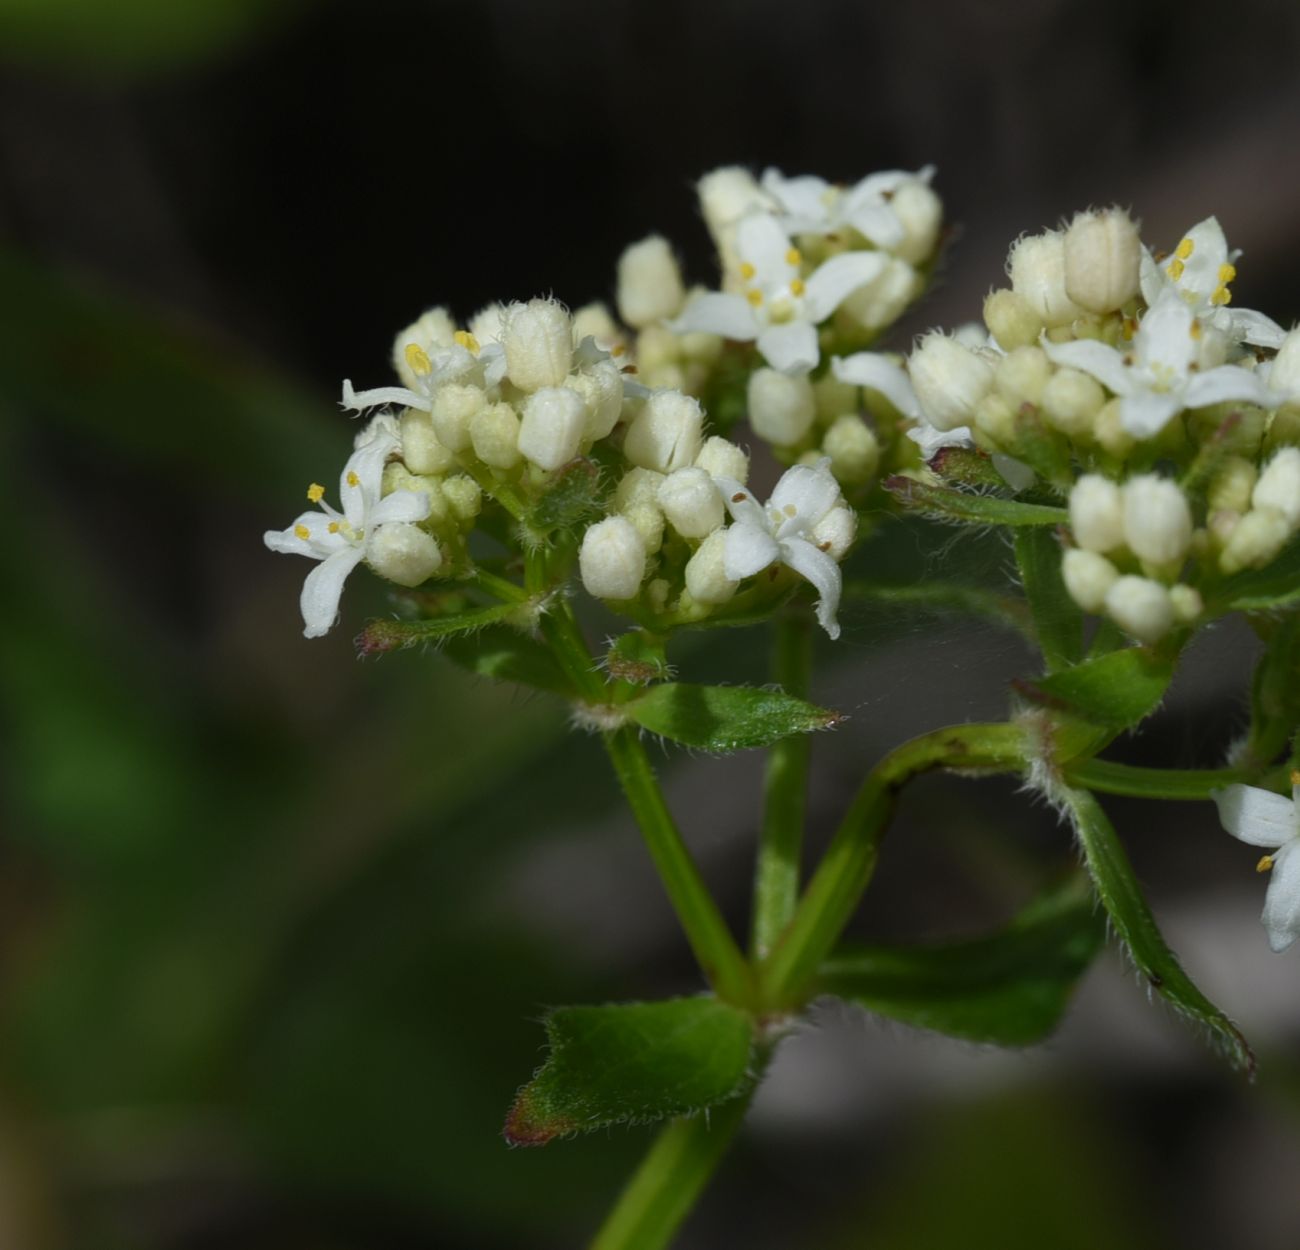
{"x":276,"y":926}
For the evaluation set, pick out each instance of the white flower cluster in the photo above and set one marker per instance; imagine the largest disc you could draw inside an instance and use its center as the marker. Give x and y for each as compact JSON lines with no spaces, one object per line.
{"x":1271,"y":821}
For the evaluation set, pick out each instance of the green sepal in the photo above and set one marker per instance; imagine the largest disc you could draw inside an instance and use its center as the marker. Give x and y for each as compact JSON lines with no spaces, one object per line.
{"x":572,"y":497}
{"x":383,"y":635}
{"x":632,"y":1063}
{"x":1117,"y":690}
{"x":504,"y":654}
{"x":725,"y":718}
{"x":1121,"y":895}
{"x":1009,"y":987}
{"x":1058,"y":620}
{"x":944,"y":503}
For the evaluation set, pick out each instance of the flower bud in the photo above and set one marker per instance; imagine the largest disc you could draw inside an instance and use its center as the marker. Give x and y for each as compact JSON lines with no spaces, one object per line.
{"x":648,"y":521}
{"x":706,"y":574}
{"x":1096,"y":513}
{"x":1022,"y":374}
{"x":551,"y":430}
{"x":726,"y":195}
{"x":1230,"y":488}
{"x":1279,"y":486}
{"x":538,"y":342}
{"x":1037,"y":269}
{"x":432,"y":333}
{"x":495,"y":434}
{"x":657,"y":346}
{"x":853,"y":448}
{"x":1108,"y":429}
{"x":1071,"y":401}
{"x":835,"y":532}
{"x":691,"y":502}
{"x":1102,"y":257}
{"x":403,"y":553}
{"x":453,"y":408}
{"x":485,"y":325}
{"x":880,"y":302}
{"x":398,"y":477}
{"x":781,"y":408}
{"x":996,"y":419}
{"x":422,"y":450}
{"x":666,"y":433}
{"x":920,"y":212}
{"x":638,"y":486}
{"x":831,"y":397}
{"x":1140,"y":607}
{"x":649,"y":283}
{"x":721,"y":458}
{"x":1088,"y":578}
{"x":593,"y":321}
{"x":1254,"y":540}
{"x":612,"y":559}
{"x":1011,"y":320}
{"x":1186,"y":602}
{"x":1285,"y":373}
{"x":601,"y":388}
{"x":464,"y":496}
{"x":949,"y":380}
{"x":1157,"y":520}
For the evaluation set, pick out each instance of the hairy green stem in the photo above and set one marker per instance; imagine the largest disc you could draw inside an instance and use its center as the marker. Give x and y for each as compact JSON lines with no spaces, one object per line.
{"x":671,"y":1177}
{"x":846,"y":868}
{"x":785,"y":790}
{"x":1150,"y":783}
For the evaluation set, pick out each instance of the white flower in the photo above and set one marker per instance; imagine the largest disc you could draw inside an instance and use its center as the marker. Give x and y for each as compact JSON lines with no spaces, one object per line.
{"x":1265,"y":819}
{"x":779,"y":309}
{"x":782,"y":531}
{"x":341,"y":540}
{"x":1200,"y":270}
{"x":1157,"y":378}
{"x":464,"y":361}
{"x":811,"y":205}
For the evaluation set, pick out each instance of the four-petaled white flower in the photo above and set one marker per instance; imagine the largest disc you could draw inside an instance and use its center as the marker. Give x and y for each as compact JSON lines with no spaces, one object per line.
{"x":811,"y":205}
{"x":779,"y":308}
{"x":1272,"y":821}
{"x":341,"y":540}
{"x":463,"y":361}
{"x":783,"y":531}
{"x":1156,"y":378}
{"x":1200,"y":270}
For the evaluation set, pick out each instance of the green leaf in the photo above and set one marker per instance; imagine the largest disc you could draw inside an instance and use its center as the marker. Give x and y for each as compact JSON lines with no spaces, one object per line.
{"x":1122,"y":897}
{"x":1117,"y":690}
{"x":943,"y":503}
{"x":504,"y":654}
{"x":632,"y":1063}
{"x":396,"y":635}
{"x":726,"y":718}
{"x":1058,"y":621}
{"x":1275,"y":691}
{"x":1276,"y":585}
{"x":1009,"y":987}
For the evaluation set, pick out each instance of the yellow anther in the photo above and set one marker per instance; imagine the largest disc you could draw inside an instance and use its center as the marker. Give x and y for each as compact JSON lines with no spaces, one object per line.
{"x":467,"y":341}
{"x":352,"y":479}
{"x":747,"y":271}
{"x":1195,"y":330}
{"x":301,"y":531}
{"x":315,"y":492}
{"x":1221,"y":296}
{"x":1184,"y":249}
{"x":617,"y":350}
{"x":797,"y":287}
{"x":790,"y":510}
{"x":1265,"y":863}
{"x":793,"y":257}
{"x":333,"y":527}
{"x":1175,"y":269}
{"x":755,"y":297}
{"x":1129,"y":327}
{"x":1226,"y":274}
{"x":418,"y":359}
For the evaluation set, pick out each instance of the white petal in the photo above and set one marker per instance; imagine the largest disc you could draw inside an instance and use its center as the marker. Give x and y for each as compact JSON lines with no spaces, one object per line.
{"x":1145,"y":413}
{"x":401,"y":505}
{"x":876,"y":222}
{"x":1200,"y":273}
{"x":832,"y":283}
{"x":323,"y":588}
{"x":1254,"y":327}
{"x":823,"y":572}
{"x":1257,"y":816}
{"x":715,"y":312}
{"x":791,"y":348}
{"x":1102,"y":362}
{"x":742,"y":505}
{"x":749,"y":550}
{"x":1165,"y":334}
{"x":804,"y":196}
{"x":1015,"y":473}
{"x":810,"y":489}
{"x":319,"y":543}
{"x":878,"y":372}
{"x":930,"y":440}
{"x":762,"y":243}
{"x":1214,"y":386}
{"x":362,"y":476}
{"x":1282,"y":902}
{"x":360,"y":400}
{"x":1153,"y":279}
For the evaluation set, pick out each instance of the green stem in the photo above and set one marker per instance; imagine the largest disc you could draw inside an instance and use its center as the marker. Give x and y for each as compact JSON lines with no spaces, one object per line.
{"x":1150,"y":783}
{"x":504,"y":589}
{"x":560,"y":628}
{"x":505,"y":494}
{"x":707,"y":932}
{"x":671,"y":1177}
{"x":846,"y":869}
{"x":785,"y":788}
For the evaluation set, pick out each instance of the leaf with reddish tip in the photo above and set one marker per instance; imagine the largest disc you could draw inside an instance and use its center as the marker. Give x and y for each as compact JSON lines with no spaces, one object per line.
{"x":632,"y":1063}
{"x":382,"y":635}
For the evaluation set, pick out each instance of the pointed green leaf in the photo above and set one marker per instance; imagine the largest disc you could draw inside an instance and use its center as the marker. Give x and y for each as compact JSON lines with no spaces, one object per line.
{"x":1122,"y":897}
{"x":396,"y":635}
{"x":726,"y":718}
{"x":632,"y":1063}
{"x":1009,"y":987}
{"x":1058,"y":621}
{"x":504,"y":654}
{"x":943,"y":503}
{"x":1117,"y":690}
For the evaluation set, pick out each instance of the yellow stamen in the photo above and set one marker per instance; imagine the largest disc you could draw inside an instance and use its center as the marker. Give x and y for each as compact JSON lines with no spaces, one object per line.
{"x":333,"y":527}
{"x":1295,"y":776}
{"x":352,"y":479}
{"x":1129,"y":327}
{"x":1175,"y":269}
{"x":747,"y":270}
{"x":1221,"y":296}
{"x":1195,"y":330}
{"x":1226,"y":274}
{"x":797,"y":287}
{"x":793,"y":257}
{"x":301,"y":531}
{"x":790,"y":510}
{"x":315,"y":492}
{"x":617,"y":350}
{"x":418,"y":359}
{"x":1184,"y":249}
{"x":1264,"y":864}
{"x":754,"y":297}
{"x":467,"y":341}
